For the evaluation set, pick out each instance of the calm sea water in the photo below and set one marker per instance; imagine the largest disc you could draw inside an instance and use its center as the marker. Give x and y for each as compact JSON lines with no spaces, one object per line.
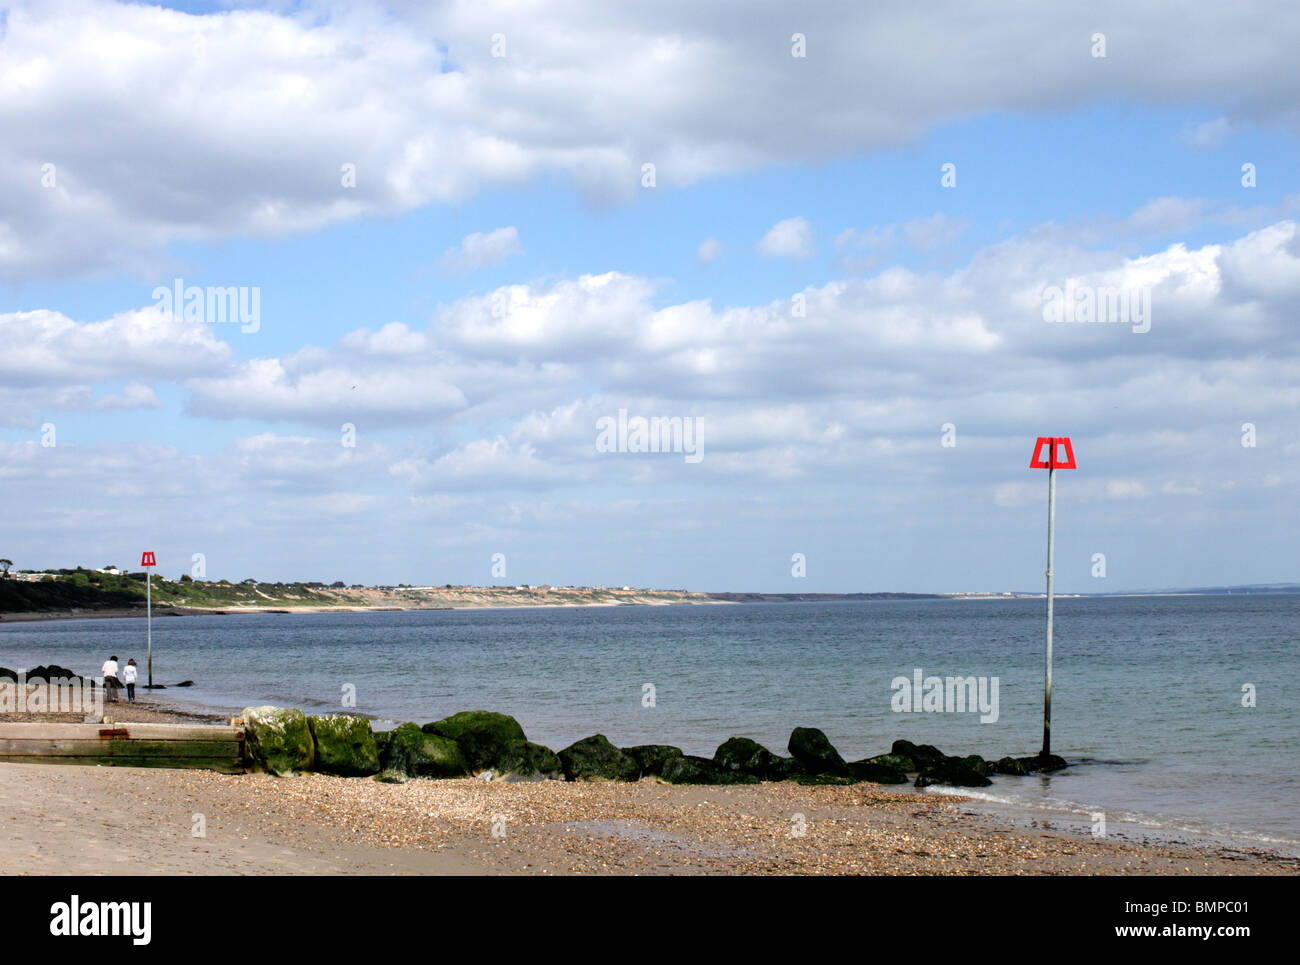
{"x":1147,"y":701}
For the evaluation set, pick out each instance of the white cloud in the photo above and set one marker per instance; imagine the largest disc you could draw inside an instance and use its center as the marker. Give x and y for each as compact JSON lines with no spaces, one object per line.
{"x":1165,"y":216}
{"x":936,"y":231}
{"x":240,"y":122}
{"x":791,"y":238}
{"x":478,"y":251}
{"x":709,"y":250}
{"x":496,"y":463}
{"x":1208,"y":135}
{"x":899,"y":335}
{"x":326,"y":390}
{"x":136,"y":395}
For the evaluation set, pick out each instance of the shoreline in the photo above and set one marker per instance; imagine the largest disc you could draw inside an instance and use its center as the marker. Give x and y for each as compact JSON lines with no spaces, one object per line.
{"x":691,"y":599}
{"x":611,"y":828}
{"x":143,"y":821}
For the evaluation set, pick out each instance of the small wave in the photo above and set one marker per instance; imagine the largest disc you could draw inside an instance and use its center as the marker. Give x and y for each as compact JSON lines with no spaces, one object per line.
{"x":1159,"y":825}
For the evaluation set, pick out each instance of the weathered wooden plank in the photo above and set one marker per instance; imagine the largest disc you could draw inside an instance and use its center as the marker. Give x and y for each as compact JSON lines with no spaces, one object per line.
{"x":227,"y":765}
{"x":118,"y":748}
{"x":178,"y":732}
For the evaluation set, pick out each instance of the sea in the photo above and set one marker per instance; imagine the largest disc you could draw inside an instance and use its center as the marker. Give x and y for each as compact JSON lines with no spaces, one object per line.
{"x":1179,"y":715}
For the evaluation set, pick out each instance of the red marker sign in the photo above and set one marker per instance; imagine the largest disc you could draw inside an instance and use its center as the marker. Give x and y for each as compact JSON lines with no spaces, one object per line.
{"x":1050,"y":453}
{"x":148,"y":560}
{"x":1052,"y":444}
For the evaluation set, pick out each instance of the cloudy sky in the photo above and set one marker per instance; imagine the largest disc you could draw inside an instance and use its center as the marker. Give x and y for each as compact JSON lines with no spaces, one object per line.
{"x":825,"y":235}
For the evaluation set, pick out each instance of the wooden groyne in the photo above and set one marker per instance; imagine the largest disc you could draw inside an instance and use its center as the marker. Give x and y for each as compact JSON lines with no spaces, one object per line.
{"x":204,"y":746}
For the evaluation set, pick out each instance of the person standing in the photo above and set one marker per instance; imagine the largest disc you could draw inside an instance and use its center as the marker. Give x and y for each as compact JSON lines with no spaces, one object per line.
{"x":111,"y":683}
{"x":129,"y":673}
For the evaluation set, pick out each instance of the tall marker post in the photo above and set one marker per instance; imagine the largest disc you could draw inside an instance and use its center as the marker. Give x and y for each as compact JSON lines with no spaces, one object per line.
{"x":147,"y":561}
{"x":1051,"y":463}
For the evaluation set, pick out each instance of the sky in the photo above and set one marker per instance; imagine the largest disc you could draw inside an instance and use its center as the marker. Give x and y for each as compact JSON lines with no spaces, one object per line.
{"x":865,"y":255}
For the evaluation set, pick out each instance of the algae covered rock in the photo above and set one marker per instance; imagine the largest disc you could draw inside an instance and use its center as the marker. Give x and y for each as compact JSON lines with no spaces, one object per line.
{"x":1009,"y":765}
{"x":742,"y":755}
{"x":652,"y":758}
{"x":278,"y":739}
{"x":48,"y":673}
{"x":1041,"y":762}
{"x":416,"y":754}
{"x":700,"y":770}
{"x":524,"y":760}
{"x":482,"y":735}
{"x":815,"y":753}
{"x":951,"y":770}
{"x":899,"y":762}
{"x":596,"y":759}
{"x":921,"y":755}
{"x":344,"y":745}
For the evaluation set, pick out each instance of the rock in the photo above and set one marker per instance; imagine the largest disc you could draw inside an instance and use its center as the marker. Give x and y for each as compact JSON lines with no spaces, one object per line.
{"x":741,"y":755}
{"x":184,"y":683}
{"x":688,"y":769}
{"x":382,"y":737}
{"x":877,"y":773}
{"x":920,"y":754}
{"x":651,"y":758}
{"x":278,"y":739}
{"x":416,"y":754}
{"x":53,"y":672}
{"x":390,"y":776}
{"x":978,"y":764}
{"x":899,"y":762}
{"x":526,"y":761}
{"x":815,"y":753}
{"x":1050,"y":762}
{"x":1040,"y":763}
{"x":481,"y":734}
{"x":344,"y":745}
{"x":596,"y":759}
{"x":1009,"y":765}
{"x":951,"y":770}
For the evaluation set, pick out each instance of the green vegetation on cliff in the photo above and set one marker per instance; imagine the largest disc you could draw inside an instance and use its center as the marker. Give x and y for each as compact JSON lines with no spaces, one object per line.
{"x":84,"y":589}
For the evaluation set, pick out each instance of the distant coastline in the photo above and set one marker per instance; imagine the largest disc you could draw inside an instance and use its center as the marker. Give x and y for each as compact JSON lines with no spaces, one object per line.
{"x":107,"y":594}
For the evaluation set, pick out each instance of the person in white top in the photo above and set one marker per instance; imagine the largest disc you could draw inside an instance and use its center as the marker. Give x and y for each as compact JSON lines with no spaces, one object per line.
{"x":129,"y":673}
{"x":111,"y":683}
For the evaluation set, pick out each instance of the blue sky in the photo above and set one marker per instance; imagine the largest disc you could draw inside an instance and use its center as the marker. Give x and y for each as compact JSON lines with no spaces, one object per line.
{"x":206,"y":143}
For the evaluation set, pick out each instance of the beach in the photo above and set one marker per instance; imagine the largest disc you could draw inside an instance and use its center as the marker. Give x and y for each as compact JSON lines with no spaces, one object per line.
{"x":75,"y":819}
{"x":1192,"y":766}
{"x":99,"y":820}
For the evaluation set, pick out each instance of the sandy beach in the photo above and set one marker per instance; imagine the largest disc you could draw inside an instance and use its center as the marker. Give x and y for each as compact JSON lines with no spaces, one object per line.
{"x":75,"y":819}
{"x":99,"y":820}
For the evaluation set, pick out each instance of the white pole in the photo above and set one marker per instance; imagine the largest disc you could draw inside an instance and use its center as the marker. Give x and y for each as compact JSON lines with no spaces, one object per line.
{"x":148,"y":620}
{"x":1051,"y":558}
